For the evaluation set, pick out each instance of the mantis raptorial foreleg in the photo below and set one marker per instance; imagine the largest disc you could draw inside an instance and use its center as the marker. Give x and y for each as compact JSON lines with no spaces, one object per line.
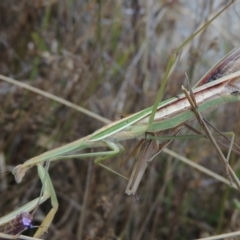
{"x":50,"y":192}
{"x":47,"y":192}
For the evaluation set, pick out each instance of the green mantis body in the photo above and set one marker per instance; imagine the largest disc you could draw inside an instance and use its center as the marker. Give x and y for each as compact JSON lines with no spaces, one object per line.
{"x":170,"y":114}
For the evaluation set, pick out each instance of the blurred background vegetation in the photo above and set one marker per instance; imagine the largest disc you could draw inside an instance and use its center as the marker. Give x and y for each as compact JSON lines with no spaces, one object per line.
{"x":109,"y":57}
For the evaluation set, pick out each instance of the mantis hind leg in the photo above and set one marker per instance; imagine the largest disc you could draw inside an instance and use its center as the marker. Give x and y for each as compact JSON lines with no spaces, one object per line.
{"x":115,"y":149}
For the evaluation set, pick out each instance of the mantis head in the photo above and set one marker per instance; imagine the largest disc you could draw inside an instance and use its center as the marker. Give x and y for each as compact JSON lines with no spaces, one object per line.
{"x":19,"y":172}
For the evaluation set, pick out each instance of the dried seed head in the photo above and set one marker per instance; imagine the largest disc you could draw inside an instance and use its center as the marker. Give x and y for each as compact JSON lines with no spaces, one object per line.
{"x":17,"y":225}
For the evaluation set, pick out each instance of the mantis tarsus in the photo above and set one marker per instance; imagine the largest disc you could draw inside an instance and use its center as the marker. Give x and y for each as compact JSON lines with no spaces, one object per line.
{"x":170,"y":115}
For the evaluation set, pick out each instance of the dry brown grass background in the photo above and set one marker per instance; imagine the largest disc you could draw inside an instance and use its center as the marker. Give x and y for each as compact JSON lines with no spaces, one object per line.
{"x":109,"y":57}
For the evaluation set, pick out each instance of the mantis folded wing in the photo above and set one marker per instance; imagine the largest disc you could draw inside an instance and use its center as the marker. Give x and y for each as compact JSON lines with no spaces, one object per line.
{"x":149,"y":150}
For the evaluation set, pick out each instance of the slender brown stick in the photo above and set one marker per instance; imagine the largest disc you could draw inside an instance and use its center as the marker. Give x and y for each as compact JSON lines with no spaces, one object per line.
{"x":202,"y":123}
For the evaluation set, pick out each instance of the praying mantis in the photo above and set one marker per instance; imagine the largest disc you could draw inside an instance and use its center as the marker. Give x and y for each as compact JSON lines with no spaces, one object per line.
{"x":169,"y":117}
